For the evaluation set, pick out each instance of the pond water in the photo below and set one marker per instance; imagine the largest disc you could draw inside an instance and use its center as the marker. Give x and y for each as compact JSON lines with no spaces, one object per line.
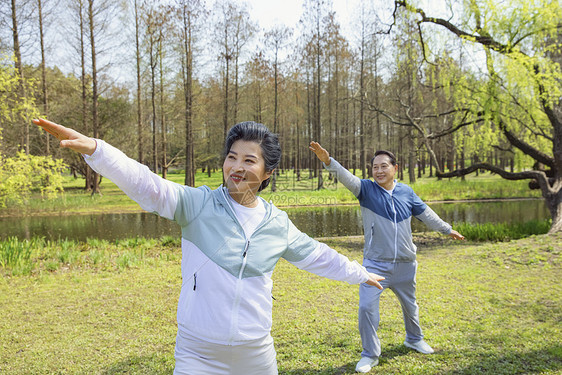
{"x":315,"y":221}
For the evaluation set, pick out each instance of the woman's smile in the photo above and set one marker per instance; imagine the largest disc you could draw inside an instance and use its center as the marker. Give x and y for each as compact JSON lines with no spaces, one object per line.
{"x":244,"y":170}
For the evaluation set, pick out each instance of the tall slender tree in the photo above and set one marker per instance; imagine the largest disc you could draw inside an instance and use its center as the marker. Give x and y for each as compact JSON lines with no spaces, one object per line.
{"x":244,"y":30}
{"x":140,"y":127}
{"x":19,"y":70}
{"x":313,"y":25}
{"x":276,"y":39}
{"x":224,"y":36}
{"x":95,"y":88}
{"x":44,"y":87}
{"x":189,"y":13}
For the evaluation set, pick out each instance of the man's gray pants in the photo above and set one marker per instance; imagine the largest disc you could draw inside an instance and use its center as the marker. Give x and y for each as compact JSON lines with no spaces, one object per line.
{"x":401,"y":279}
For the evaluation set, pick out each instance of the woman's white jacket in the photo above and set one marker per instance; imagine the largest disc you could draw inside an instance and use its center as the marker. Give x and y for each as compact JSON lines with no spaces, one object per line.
{"x":226,"y":288}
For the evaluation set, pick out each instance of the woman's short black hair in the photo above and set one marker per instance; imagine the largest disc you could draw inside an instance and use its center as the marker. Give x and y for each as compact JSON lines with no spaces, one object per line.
{"x":259,"y":133}
{"x":387,"y":153}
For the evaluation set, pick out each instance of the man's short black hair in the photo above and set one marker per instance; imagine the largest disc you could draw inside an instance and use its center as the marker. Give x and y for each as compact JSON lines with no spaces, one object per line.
{"x":387,"y":153}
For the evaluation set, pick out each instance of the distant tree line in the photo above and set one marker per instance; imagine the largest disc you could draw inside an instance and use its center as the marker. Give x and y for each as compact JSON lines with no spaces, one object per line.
{"x":474,"y":87}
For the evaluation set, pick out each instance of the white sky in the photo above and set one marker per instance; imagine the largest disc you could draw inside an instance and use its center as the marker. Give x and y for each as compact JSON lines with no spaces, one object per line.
{"x":269,"y":13}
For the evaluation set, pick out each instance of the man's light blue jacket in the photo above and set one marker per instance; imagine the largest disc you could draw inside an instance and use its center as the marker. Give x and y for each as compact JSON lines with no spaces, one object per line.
{"x":387,"y":216}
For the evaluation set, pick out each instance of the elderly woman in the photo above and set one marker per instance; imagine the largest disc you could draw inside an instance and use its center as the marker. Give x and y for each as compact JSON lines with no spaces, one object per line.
{"x":231,"y":241}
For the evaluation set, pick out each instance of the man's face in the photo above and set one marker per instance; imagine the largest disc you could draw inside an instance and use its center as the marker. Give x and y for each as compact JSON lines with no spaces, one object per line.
{"x":384,"y":171}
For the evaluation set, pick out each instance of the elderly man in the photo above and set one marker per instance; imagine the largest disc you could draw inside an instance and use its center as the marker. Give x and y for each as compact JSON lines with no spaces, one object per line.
{"x":387,"y":207}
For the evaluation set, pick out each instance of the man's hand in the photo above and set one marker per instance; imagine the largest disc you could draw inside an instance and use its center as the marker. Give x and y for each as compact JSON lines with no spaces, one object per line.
{"x":320,"y":152}
{"x":374,"y":280}
{"x":68,"y":137}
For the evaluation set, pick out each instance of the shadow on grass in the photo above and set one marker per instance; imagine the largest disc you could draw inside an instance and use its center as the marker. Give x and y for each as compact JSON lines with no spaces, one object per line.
{"x":389,"y":352}
{"x":346,"y":369}
{"x":531,"y":362}
{"x":150,"y":365}
{"x":513,"y":362}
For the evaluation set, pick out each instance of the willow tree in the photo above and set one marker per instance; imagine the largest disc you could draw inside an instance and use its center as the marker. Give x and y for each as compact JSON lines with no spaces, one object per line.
{"x":520,"y":102}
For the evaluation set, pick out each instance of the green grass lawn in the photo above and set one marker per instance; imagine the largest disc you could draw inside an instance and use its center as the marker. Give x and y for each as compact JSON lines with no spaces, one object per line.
{"x":109,"y":308}
{"x":289,"y":193}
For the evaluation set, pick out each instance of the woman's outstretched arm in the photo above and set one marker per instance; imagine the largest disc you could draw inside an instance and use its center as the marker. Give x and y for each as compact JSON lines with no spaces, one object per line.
{"x":150,"y":191}
{"x":68,"y":138}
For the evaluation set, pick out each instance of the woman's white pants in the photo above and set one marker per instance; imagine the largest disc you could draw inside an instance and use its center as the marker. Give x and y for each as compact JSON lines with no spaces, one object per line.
{"x":197,"y":357}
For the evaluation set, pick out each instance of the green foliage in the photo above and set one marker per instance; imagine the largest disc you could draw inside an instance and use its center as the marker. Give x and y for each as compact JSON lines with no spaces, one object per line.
{"x":12,"y":106}
{"x":23,"y":174}
{"x":15,"y":255}
{"x":67,"y":253}
{"x":502,"y":231}
{"x":35,"y":256}
{"x":15,"y":108}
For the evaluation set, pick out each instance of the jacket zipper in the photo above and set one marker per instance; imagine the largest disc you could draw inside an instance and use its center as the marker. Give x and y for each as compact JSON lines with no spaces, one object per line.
{"x":395,"y":230}
{"x":244,"y":259}
{"x":235,"y":312}
{"x":195,"y":281}
{"x":372,"y":234}
{"x":235,"y":309}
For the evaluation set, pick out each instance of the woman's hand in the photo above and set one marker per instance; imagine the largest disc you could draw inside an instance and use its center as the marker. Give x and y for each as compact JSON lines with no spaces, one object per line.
{"x":320,"y":152}
{"x":456,"y":235}
{"x":69,"y":138}
{"x":374,"y":280}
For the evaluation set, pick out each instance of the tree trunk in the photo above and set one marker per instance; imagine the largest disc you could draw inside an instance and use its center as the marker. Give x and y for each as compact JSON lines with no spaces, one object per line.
{"x":19,"y":71}
{"x":275,"y":115}
{"x":95,"y":119}
{"x":153,"y":104}
{"x":362,"y":110}
{"x":139,"y":104}
{"x":162,"y":112}
{"x":236,"y":94}
{"x":225,"y":114}
{"x":309,"y":124}
{"x":188,"y":95}
{"x":411,"y":158}
{"x":318,"y":95}
{"x":44,"y":98}
{"x":554,"y":204}
{"x":89,"y":172}
{"x":461,"y":161}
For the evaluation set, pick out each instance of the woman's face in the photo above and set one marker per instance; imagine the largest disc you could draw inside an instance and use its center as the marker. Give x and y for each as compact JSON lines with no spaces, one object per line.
{"x":244,"y":171}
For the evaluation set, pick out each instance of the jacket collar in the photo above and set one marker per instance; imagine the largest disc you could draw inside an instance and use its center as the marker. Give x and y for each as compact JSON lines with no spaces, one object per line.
{"x":221,"y":194}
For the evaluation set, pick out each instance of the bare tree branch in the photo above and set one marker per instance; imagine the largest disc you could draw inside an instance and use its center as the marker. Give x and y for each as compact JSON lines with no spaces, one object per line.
{"x":485,"y":40}
{"x":526,"y":148}
{"x":453,"y":129}
{"x":506,"y":149}
{"x":525,"y":175}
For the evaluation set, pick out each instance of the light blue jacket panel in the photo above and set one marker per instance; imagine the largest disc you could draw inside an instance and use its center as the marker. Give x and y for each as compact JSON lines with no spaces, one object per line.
{"x":387,"y":218}
{"x":208,"y":220}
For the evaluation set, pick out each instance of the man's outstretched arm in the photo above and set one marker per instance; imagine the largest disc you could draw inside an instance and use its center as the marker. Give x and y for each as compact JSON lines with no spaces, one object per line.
{"x":348,"y":179}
